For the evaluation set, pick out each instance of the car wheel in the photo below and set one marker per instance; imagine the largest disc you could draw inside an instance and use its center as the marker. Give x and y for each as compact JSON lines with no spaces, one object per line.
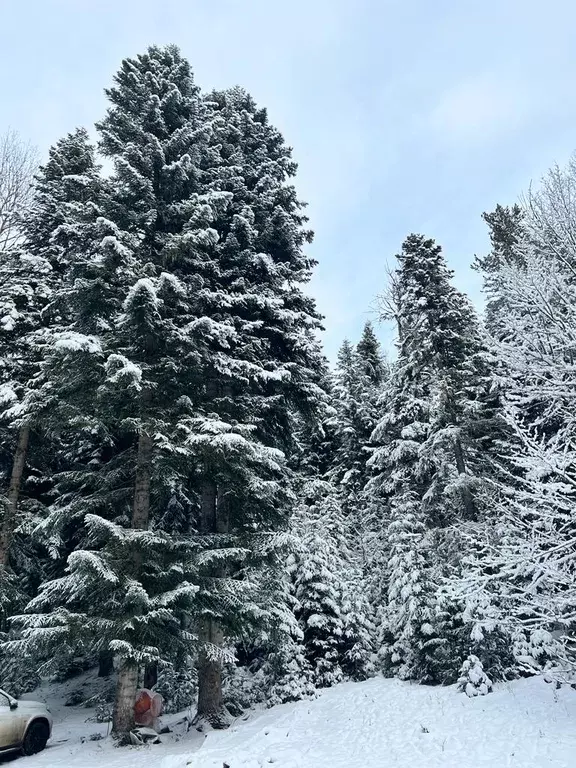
{"x":36,"y":737}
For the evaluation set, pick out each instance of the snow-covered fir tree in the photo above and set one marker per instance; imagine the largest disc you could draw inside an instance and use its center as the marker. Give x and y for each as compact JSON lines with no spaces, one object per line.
{"x":329,"y":590}
{"x":429,"y":464}
{"x":358,"y":382}
{"x":260,"y":364}
{"x":506,"y":229}
{"x":287,"y":672}
{"x":473,"y":681}
{"x":370,"y":357}
{"x":123,"y":364}
{"x":326,"y":594}
{"x":31,"y":274}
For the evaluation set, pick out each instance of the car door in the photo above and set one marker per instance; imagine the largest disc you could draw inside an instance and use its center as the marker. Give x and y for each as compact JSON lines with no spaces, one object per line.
{"x":9,"y":724}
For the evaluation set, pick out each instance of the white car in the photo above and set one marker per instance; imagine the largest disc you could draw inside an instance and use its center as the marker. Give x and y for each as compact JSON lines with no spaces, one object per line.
{"x":24,"y":725}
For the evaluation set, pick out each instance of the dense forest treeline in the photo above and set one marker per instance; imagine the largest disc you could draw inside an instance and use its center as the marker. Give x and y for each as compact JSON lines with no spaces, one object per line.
{"x":193,"y":499}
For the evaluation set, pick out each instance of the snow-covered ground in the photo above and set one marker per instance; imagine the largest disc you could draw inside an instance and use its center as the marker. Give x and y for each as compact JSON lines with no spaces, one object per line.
{"x":377,"y":724}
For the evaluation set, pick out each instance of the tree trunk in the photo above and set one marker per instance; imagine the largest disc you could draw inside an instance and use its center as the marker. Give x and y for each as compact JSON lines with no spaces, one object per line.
{"x":105,"y":663}
{"x":127,"y":685}
{"x":208,"y":508}
{"x":210,"y":699}
{"x":150,"y":675}
{"x":222,"y":512}
{"x":141,"y":509}
{"x":123,"y":714}
{"x":467,"y":498}
{"x":11,"y":506}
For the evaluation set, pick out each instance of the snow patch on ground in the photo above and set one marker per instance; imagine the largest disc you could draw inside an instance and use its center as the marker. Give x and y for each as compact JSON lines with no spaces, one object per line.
{"x":391,"y":724}
{"x":377,"y":724}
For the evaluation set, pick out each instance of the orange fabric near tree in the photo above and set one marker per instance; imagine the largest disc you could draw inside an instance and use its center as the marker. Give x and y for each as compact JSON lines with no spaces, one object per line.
{"x":143,"y":703}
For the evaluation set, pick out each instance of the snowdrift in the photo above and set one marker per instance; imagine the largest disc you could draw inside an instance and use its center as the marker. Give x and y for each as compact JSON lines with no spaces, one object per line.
{"x":376,"y":724}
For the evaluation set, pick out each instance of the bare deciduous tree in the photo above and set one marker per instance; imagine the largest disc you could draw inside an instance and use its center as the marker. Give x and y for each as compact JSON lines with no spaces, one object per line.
{"x":387,"y":303}
{"x":18,"y":163}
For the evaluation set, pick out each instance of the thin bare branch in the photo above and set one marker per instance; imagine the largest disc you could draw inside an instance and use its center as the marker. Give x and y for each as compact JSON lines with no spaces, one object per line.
{"x":18,"y":164}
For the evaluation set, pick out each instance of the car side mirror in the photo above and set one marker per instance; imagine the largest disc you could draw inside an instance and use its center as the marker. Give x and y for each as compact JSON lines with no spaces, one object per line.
{"x":13,"y":705}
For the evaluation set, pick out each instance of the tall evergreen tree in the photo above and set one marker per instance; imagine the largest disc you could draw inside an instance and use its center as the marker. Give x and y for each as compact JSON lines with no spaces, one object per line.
{"x":187,"y":344}
{"x":127,"y":355}
{"x":31,"y":274}
{"x":506,"y":226}
{"x":261,"y":364}
{"x":332,"y":609}
{"x":431,"y":457}
{"x":358,"y":382}
{"x":370,"y":355}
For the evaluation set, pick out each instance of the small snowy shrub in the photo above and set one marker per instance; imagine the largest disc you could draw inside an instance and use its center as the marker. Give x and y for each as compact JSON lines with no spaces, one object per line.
{"x":101,"y":701}
{"x":177,"y":686}
{"x":473,"y":681}
{"x":288,"y":674}
{"x":102,"y":705}
{"x":243,"y":688}
{"x":102,"y":713}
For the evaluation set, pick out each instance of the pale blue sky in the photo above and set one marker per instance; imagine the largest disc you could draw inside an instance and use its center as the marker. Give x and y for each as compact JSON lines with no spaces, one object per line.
{"x":404,"y":116}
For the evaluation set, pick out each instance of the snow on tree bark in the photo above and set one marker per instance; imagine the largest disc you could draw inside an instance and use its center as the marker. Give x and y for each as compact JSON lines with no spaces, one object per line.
{"x":210,"y":634}
{"x":126,"y":686}
{"x":126,"y":689}
{"x":141,"y":511}
{"x":10,"y":514}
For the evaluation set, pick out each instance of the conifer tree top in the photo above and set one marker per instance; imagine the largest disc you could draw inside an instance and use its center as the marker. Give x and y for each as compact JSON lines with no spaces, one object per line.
{"x":154,"y":94}
{"x":370,"y":354}
{"x":72,"y":154}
